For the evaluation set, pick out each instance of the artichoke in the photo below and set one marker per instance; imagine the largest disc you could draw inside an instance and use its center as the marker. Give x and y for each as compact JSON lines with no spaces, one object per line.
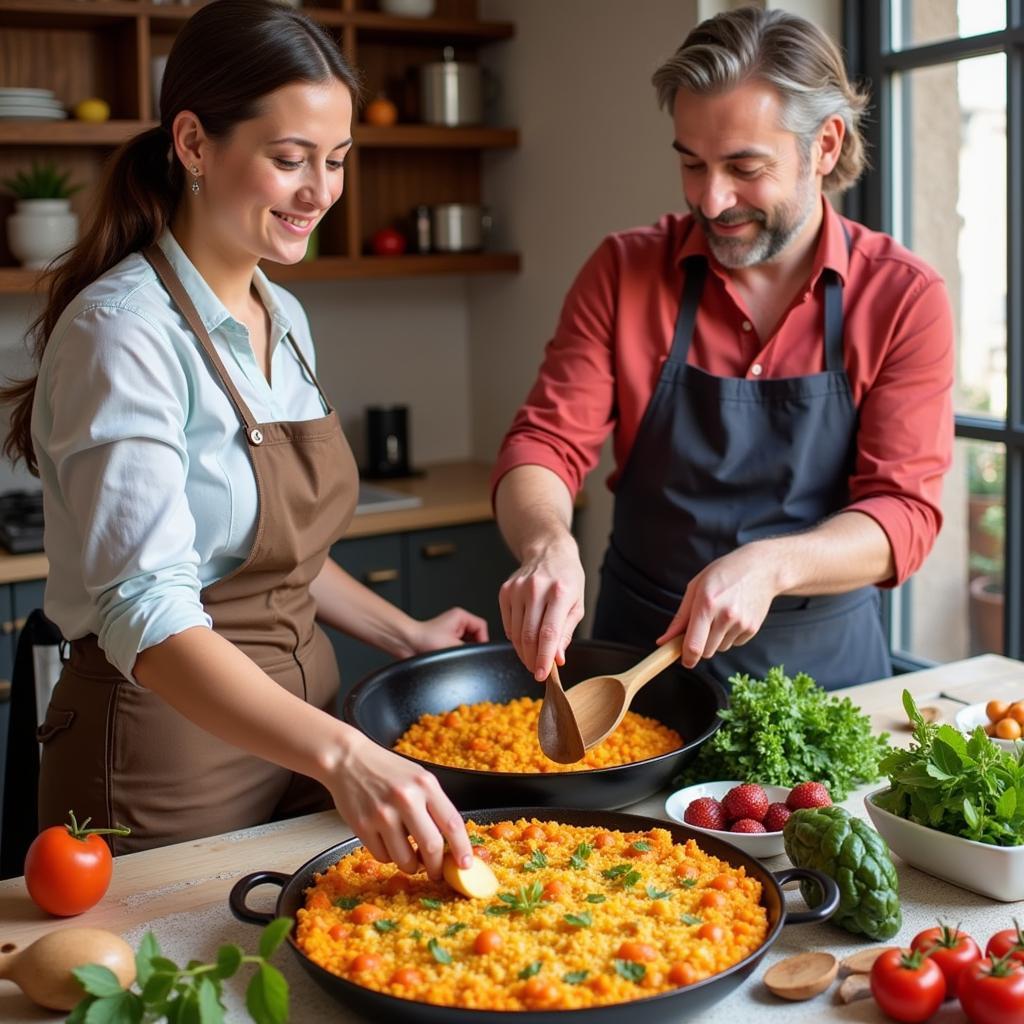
{"x":856,"y":856}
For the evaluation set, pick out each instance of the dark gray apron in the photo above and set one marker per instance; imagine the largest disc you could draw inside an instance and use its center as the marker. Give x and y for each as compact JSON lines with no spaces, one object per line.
{"x":719,"y":462}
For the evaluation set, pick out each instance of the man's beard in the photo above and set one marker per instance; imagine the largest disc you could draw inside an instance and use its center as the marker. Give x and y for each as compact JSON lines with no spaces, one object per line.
{"x":780,"y":226}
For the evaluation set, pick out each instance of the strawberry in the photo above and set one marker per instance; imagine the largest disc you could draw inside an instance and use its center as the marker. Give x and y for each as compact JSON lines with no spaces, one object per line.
{"x":746,"y":801}
{"x":808,"y":794}
{"x":777,"y":816}
{"x":747,"y":825}
{"x":705,"y":812}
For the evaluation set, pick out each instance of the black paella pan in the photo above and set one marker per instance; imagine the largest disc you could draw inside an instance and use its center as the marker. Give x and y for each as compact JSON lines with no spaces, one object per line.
{"x":387,"y":702}
{"x":675,"y":1005}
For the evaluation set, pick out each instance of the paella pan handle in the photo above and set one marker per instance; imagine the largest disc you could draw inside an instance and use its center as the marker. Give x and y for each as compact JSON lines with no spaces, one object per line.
{"x":244,"y":886}
{"x":829,"y":894}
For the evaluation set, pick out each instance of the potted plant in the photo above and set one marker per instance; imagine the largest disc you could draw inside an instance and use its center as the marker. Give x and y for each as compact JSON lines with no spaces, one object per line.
{"x":42,"y":226}
{"x":986,"y":585}
{"x":986,"y":488}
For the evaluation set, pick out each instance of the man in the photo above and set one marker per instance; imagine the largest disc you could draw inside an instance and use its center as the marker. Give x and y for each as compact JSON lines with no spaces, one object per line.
{"x":778,"y":379}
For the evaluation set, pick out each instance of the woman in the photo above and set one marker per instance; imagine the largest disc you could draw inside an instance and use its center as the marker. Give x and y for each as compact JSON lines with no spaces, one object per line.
{"x":194,"y":475}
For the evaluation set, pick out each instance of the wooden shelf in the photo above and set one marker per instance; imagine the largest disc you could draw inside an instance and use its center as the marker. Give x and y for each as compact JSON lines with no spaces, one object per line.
{"x":69,"y":133}
{"x":372,"y":23}
{"x":17,"y":280}
{"x":429,"y":136}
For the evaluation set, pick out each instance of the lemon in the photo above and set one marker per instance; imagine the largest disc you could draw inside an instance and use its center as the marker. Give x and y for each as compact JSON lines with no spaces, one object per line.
{"x":93,"y":109}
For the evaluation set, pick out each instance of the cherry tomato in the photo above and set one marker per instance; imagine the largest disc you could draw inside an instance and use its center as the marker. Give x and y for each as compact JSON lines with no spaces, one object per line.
{"x":907,"y":986}
{"x":951,"y":949}
{"x":68,"y":867}
{"x":1009,"y":940}
{"x":992,"y":991}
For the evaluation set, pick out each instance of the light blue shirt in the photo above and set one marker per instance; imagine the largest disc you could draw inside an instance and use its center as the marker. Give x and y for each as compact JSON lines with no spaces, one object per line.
{"x":148,"y":491}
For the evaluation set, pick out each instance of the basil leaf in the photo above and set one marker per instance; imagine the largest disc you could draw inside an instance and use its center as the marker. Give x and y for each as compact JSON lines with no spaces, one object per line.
{"x":438,"y":952}
{"x":691,"y":919}
{"x":266,"y":997}
{"x":642,"y":845}
{"x":583,"y":920}
{"x":229,"y":959}
{"x":210,"y":1010}
{"x":273,"y":935}
{"x":595,"y":897}
{"x":629,"y":970}
{"x":657,"y":894}
{"x":123,"y":1008}
{"x":383,"y":924}
{"x":97,"y":980}
{"x":530,"y":970}
{"x":347,"y":902}
{"x":453,"y":929}
{"x":148,"y":948}
{"x":575,"y":977}
{"x":616,"y":872}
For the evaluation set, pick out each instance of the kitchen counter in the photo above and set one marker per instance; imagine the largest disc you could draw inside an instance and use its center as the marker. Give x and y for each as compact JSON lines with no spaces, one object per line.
{"x":180,"y":892}
{"x":452,"y":493}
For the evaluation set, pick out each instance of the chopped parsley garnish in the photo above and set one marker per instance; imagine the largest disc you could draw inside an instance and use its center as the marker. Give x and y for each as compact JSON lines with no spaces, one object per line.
{"x":526,"y":901}
{"x":657,"y":894}
{"x":596,"y":897}
{"x":438,"y":952}
{"x":476,"y":840}
{"x":575,"y":977}
{"x":537,"y":861}
{"x":690,"y":919}
{"x":616,"y":872}
{"x":631,"y":879}
{"x":347,"y":902}
{"x":430,"y":904}
{"x":530,"y":970}
{"x":642,"y":845}
{"x":385,"y":925}
{"x":453,"y":929}
{"x":629,"y":970}
{"x":416,"y":934}
{"x":688,"y":883}
{"x":580,"y":856}
{"x":583,"y":920}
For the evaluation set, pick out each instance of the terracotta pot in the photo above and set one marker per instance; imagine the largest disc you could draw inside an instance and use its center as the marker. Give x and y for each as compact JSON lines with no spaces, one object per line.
{"x":986,"y":615}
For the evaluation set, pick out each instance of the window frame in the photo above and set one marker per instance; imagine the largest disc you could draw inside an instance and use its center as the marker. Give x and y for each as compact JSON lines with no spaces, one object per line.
{"x":872,"y":59}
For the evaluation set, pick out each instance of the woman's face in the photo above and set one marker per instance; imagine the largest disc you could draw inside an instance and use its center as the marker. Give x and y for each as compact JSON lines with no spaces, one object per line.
{"x":266,"y":187}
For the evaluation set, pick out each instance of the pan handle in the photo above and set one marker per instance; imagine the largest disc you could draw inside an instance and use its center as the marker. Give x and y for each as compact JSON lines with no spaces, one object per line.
{"x":245,"y":885}
{"x":829,"y":894}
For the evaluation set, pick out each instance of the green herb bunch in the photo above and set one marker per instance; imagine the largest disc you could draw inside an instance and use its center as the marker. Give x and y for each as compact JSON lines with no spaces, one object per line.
{"x":189,"y":995}
{"x":41,"y":181}
{"x":781,"y":731}
{"x":966,"y":786}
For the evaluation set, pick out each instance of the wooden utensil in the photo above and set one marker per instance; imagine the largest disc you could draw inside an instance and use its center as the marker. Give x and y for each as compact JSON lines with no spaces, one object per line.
{"x":599,"y":703}
{"x":802,"y":976}
{"x":43,"y":970}
{"x":557,"y":729}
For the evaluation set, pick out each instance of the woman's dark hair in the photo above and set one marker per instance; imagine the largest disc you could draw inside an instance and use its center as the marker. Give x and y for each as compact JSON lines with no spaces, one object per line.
{"x":226,"y":58}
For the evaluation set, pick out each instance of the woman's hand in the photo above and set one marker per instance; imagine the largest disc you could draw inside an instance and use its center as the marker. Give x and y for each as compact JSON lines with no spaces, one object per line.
{"x":541,"y":606}
{"x":449,"y":629}
{"x":386,"y":798}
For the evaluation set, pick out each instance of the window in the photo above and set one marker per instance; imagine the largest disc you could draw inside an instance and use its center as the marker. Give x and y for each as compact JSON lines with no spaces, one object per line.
{"x":947,"y":143}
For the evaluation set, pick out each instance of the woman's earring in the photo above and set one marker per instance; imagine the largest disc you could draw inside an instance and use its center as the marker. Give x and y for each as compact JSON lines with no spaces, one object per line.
{"x":195,"y":179}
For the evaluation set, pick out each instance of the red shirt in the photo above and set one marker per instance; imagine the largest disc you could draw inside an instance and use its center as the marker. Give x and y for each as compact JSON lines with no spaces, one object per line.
{"x":615,"y":332}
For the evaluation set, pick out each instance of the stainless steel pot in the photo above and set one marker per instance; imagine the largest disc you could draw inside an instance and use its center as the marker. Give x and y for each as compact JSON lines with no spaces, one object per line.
{"x":451,"y":92}
{"x":459,"y":227}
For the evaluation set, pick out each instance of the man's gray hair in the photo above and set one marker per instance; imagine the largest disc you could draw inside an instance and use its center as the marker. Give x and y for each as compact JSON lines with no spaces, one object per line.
{"x":789,"y":53}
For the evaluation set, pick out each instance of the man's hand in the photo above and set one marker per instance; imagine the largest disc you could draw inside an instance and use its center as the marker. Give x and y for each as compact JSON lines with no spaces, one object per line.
{"x":541,"y":605}
{"x":725,"y":604}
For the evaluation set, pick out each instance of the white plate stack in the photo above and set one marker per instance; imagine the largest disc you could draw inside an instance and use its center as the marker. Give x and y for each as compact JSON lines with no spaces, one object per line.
{"x":30,"y":104}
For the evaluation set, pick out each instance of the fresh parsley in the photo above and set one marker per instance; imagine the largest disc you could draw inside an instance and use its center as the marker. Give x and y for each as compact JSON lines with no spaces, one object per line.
{"x":657,"y":894}
{"x":583,"y":920}
{"x":430,"y":904}
{"x":384,"y":925}
{"x":629,"y":970}
{"x":966,"y":786}
{"x":476,"y":840}
{"x":783,"y":730}
{"x":347,"y":902}
{"x":530,"y":970}
{"x":580,"y":856}
{"x":690,"y":919}
{"x":453,"y":929}
{"x":641,"y":845}
{"x":688,"y":883}
{"x":525,"y":901}
{"x":538,"y":859}
{"x":596,"y":897}
{"x":630,"y":879}
{"x":575,"y":977}
{"x":438,"y":952}
{"x":416,"y":934}
{"x":616,"y":872}
{"x":165,"y":991}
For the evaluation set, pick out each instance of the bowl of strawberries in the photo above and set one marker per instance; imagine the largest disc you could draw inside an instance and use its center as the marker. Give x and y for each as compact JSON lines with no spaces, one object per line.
{"x":747,"y":814}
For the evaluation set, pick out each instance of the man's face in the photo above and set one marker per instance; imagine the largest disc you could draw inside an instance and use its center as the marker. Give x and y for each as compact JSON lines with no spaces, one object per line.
{"x":744,"y":177}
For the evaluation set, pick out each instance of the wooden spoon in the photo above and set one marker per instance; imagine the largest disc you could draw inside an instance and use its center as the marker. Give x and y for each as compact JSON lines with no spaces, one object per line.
{"x":802,"y":976}
{"x":599,"y":703}
{"x":43,"y":970}
{"x":557,"y":730}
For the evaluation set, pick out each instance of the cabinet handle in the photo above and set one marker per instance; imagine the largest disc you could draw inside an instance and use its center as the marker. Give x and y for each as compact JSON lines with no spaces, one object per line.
{"x":381,"y":576}
{"x":443,"y":550}
{"x":13,"y":627}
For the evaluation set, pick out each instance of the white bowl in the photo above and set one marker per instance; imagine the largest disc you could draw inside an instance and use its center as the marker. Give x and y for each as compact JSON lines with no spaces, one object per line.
{"x":757,"y":844}
{"x":995,"y":871}
{"x":969,"y":718}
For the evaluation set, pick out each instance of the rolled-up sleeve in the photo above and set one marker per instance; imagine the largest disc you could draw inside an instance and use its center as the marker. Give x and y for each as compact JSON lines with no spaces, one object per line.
{"x":905,"y":436}
{"x":119,"y":401}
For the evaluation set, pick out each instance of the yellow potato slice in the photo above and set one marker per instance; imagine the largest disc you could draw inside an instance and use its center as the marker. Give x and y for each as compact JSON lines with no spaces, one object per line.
{"x":476,"y":882}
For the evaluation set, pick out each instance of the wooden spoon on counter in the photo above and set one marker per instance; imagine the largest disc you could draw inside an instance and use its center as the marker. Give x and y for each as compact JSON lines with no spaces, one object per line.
{"x":600,"y":703}
{"x":557,"y":729}
{"x":43,"y":970}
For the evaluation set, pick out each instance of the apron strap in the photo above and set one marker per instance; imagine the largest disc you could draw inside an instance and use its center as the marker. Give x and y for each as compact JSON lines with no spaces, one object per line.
{"x":159,"y":262}
{"x":834,"y":315}
{"x":312,"y":376}
{"x":696,"y":270}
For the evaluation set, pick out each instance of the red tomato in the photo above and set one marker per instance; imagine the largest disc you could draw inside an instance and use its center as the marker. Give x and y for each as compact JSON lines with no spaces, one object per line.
{"x":951,"y":949}
{"x":388,"y":242}
{"x":992,"y":991}
{"x":68,"y":867}
{"x":1009,"y":940}
{"x":907,"y":986}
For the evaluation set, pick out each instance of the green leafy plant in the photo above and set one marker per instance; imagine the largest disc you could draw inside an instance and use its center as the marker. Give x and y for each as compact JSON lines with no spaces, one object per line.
{"x":164,"y":991}
{"x":986,"y":470}
{"x":42,"y":180}
{"x":966,"y":786}
{"x":781,"y":731}
{"x":993,"y":523}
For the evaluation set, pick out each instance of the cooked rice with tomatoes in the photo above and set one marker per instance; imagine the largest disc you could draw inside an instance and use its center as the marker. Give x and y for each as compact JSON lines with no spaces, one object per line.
{"x":503,"y":738}
{"x":583,"y":917}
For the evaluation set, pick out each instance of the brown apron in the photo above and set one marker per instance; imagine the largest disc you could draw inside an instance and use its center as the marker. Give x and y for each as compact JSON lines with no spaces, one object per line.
{"x":117,"y":752}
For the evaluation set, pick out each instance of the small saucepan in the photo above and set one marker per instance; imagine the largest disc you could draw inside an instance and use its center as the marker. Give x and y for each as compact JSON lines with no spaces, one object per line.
{"x":675,"y":1005}
{"x":387,"y":702}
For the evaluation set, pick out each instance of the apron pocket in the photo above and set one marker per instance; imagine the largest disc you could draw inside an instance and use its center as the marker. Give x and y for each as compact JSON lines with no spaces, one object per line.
{"x":57,"y":720}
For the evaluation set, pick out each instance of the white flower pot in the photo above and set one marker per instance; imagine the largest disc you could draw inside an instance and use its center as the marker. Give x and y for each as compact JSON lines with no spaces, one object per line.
{"x":40,"y":230}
